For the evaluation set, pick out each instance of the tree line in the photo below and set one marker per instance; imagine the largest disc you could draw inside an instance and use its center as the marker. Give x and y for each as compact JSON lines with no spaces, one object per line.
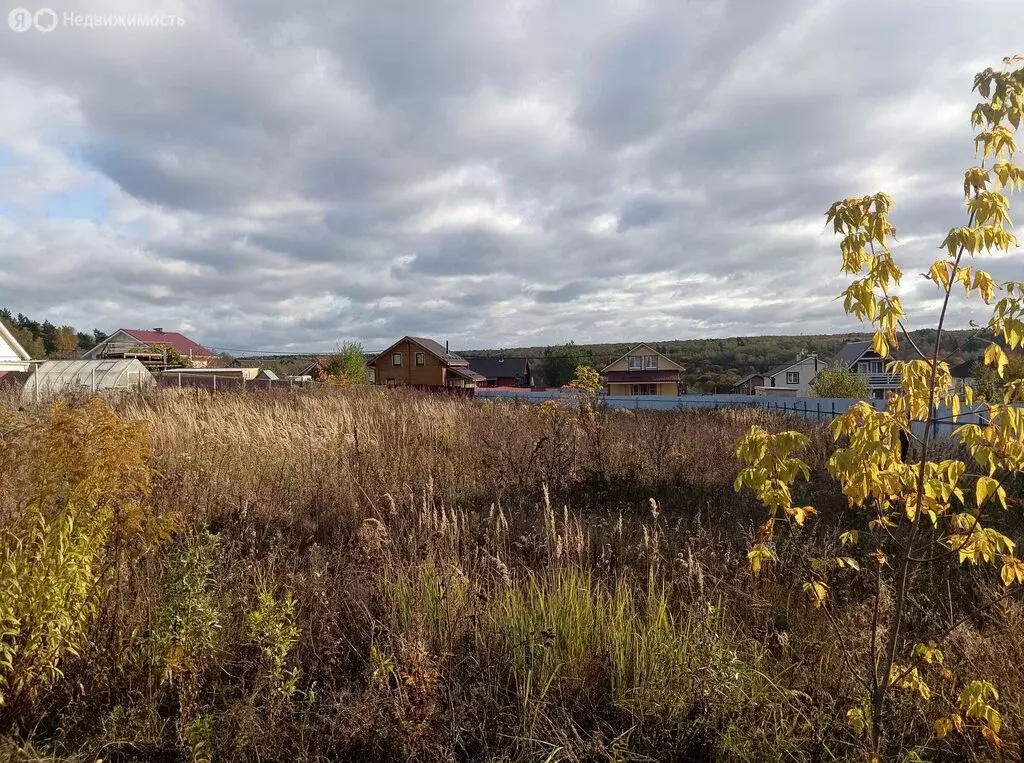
{"x":46,"y":339}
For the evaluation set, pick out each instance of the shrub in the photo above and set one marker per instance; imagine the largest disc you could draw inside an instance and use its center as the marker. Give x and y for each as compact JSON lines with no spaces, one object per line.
{"x":836,"y":381}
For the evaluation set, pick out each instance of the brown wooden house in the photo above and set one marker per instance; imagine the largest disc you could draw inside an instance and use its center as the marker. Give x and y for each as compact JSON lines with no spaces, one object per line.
{"x":642,"y":370}
{"x":748,"y":384}
{"x":416,"y":361}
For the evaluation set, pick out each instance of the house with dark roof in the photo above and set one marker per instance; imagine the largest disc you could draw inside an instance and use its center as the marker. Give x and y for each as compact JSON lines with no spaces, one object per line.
{"x":502,"y":371}
{"x":155,"y":348}
{"x":416,"y":361}
{"x":792,"y":378}
{"x":963,"y":375}
{"x":860,"y":359}
{"x":642,"y":370}
{"x":748,"y":384}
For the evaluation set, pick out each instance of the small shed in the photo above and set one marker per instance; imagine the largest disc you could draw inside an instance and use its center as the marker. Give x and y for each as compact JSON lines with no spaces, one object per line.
{"x":60,"y":377}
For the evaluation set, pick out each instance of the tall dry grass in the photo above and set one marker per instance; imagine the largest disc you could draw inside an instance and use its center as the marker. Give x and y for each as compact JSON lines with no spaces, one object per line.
{"x":375,"y":574}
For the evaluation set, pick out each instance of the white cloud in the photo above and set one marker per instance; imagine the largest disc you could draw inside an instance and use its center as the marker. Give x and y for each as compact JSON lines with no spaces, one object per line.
{"x":277,"y":175}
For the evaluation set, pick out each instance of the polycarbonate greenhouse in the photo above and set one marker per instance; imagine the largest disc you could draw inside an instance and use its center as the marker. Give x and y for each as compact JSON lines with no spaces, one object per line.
{"x":61,"y":377}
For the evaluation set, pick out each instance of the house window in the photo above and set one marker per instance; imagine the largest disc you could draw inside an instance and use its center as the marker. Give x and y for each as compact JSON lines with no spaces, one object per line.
{"x":396,"y":359}
{"x":773,"y":381}
{"x":651,"y":362}
{"x":645,"y":389}
{"x":420,"y":359}
{"x":636,"y":363}
{"x":792,"y":377}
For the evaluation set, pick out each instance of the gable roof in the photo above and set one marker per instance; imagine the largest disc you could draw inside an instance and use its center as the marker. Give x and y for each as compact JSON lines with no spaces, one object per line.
{"x":185,"y":346}
{"x":497,"y":367}
{"x":637,"y":347}
{"x":434,"y":348}
{"x":851,"y":352}
{"x":748,"y":377}
{"x":8,"y":338}
{"x":466,"y":373}
{"x":786,"y":366}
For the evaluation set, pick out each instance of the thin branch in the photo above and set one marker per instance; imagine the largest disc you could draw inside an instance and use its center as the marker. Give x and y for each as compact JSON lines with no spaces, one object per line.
{"x":960,"y":347}
{"x":878,"y":701}
{"x":970,"y":533}
{"x":910,"y":339}
{"x":842,"y":645}
{"x":942,"y":636}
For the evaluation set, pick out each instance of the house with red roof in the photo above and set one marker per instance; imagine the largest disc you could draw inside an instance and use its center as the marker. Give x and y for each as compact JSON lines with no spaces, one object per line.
{"x":156,"y":348}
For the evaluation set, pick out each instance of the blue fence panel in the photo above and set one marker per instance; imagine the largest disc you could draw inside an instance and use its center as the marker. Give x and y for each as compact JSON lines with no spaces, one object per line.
{"x":813,"y":408}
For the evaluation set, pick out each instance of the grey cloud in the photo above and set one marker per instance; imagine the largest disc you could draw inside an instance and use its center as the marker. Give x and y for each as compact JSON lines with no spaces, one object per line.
{"x":290,"y":174}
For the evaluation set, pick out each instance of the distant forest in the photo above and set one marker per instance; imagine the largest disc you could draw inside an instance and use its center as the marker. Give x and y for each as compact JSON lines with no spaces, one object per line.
{"x":47,"y":340}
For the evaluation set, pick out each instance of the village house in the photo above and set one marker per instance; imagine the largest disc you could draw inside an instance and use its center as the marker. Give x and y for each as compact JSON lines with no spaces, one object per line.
{"x":155,"y":348}
{"x":643,"y":371}
{"x":963,"y":375}
{"x":860,"y":359}
{"x":748,"y":384}
{"x":790,"y":379}
{"x":502,"y":372}
{"x":415,"y":361}
{"x":13,"y":357}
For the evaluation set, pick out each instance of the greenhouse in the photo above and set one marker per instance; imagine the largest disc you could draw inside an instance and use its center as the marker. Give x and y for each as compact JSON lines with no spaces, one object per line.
{"x":61,"y":377}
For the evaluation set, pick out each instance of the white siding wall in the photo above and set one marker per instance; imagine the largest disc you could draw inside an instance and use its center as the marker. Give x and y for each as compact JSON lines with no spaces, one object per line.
{"x":7,"y":352}
{"x":806,"y":369}
{"x":10,"y":358}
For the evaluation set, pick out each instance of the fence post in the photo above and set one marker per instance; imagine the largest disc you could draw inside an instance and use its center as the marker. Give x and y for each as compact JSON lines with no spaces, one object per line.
{"x":215,"y":382}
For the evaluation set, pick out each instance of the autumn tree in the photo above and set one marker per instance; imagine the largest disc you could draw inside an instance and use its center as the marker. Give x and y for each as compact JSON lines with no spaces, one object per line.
{"x":346,"y":367}
{"x":65,"y":341}
{"x":934,"y":514}
{"x":836,"y":381}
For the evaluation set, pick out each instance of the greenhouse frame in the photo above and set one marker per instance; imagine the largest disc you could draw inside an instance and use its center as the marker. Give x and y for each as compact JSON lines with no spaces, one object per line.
{"x":61,"y":377}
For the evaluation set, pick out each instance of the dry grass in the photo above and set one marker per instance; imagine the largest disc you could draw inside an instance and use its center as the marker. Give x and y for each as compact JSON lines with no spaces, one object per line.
{"x":471,"y":581}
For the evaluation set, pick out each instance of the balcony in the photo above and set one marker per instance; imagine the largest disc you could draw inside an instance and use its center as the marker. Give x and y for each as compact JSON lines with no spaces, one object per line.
{"x":881,"y":380}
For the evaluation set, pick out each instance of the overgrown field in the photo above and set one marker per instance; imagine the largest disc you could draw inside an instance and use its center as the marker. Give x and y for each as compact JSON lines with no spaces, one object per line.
{"x":365,"y":575}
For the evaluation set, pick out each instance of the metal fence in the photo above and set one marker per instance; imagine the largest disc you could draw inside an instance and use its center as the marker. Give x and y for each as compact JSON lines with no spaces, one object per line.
{"x":813,"y":408}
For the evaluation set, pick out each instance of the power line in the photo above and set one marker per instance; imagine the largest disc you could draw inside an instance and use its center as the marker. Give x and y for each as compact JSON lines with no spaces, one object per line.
{"x":280,"y":352}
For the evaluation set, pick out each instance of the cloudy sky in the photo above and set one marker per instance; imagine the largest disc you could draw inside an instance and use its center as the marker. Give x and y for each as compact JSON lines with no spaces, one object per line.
{"x":287,"y":175}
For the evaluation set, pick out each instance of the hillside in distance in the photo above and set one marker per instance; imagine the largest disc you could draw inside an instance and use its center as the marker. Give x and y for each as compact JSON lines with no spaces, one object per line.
{"x":712,"y":365}
{"x":716,"y":364}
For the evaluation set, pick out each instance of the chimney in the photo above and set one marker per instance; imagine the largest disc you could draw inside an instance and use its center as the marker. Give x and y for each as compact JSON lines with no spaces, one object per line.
{"x":446,"y":345}
{"x":158,"y":330}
